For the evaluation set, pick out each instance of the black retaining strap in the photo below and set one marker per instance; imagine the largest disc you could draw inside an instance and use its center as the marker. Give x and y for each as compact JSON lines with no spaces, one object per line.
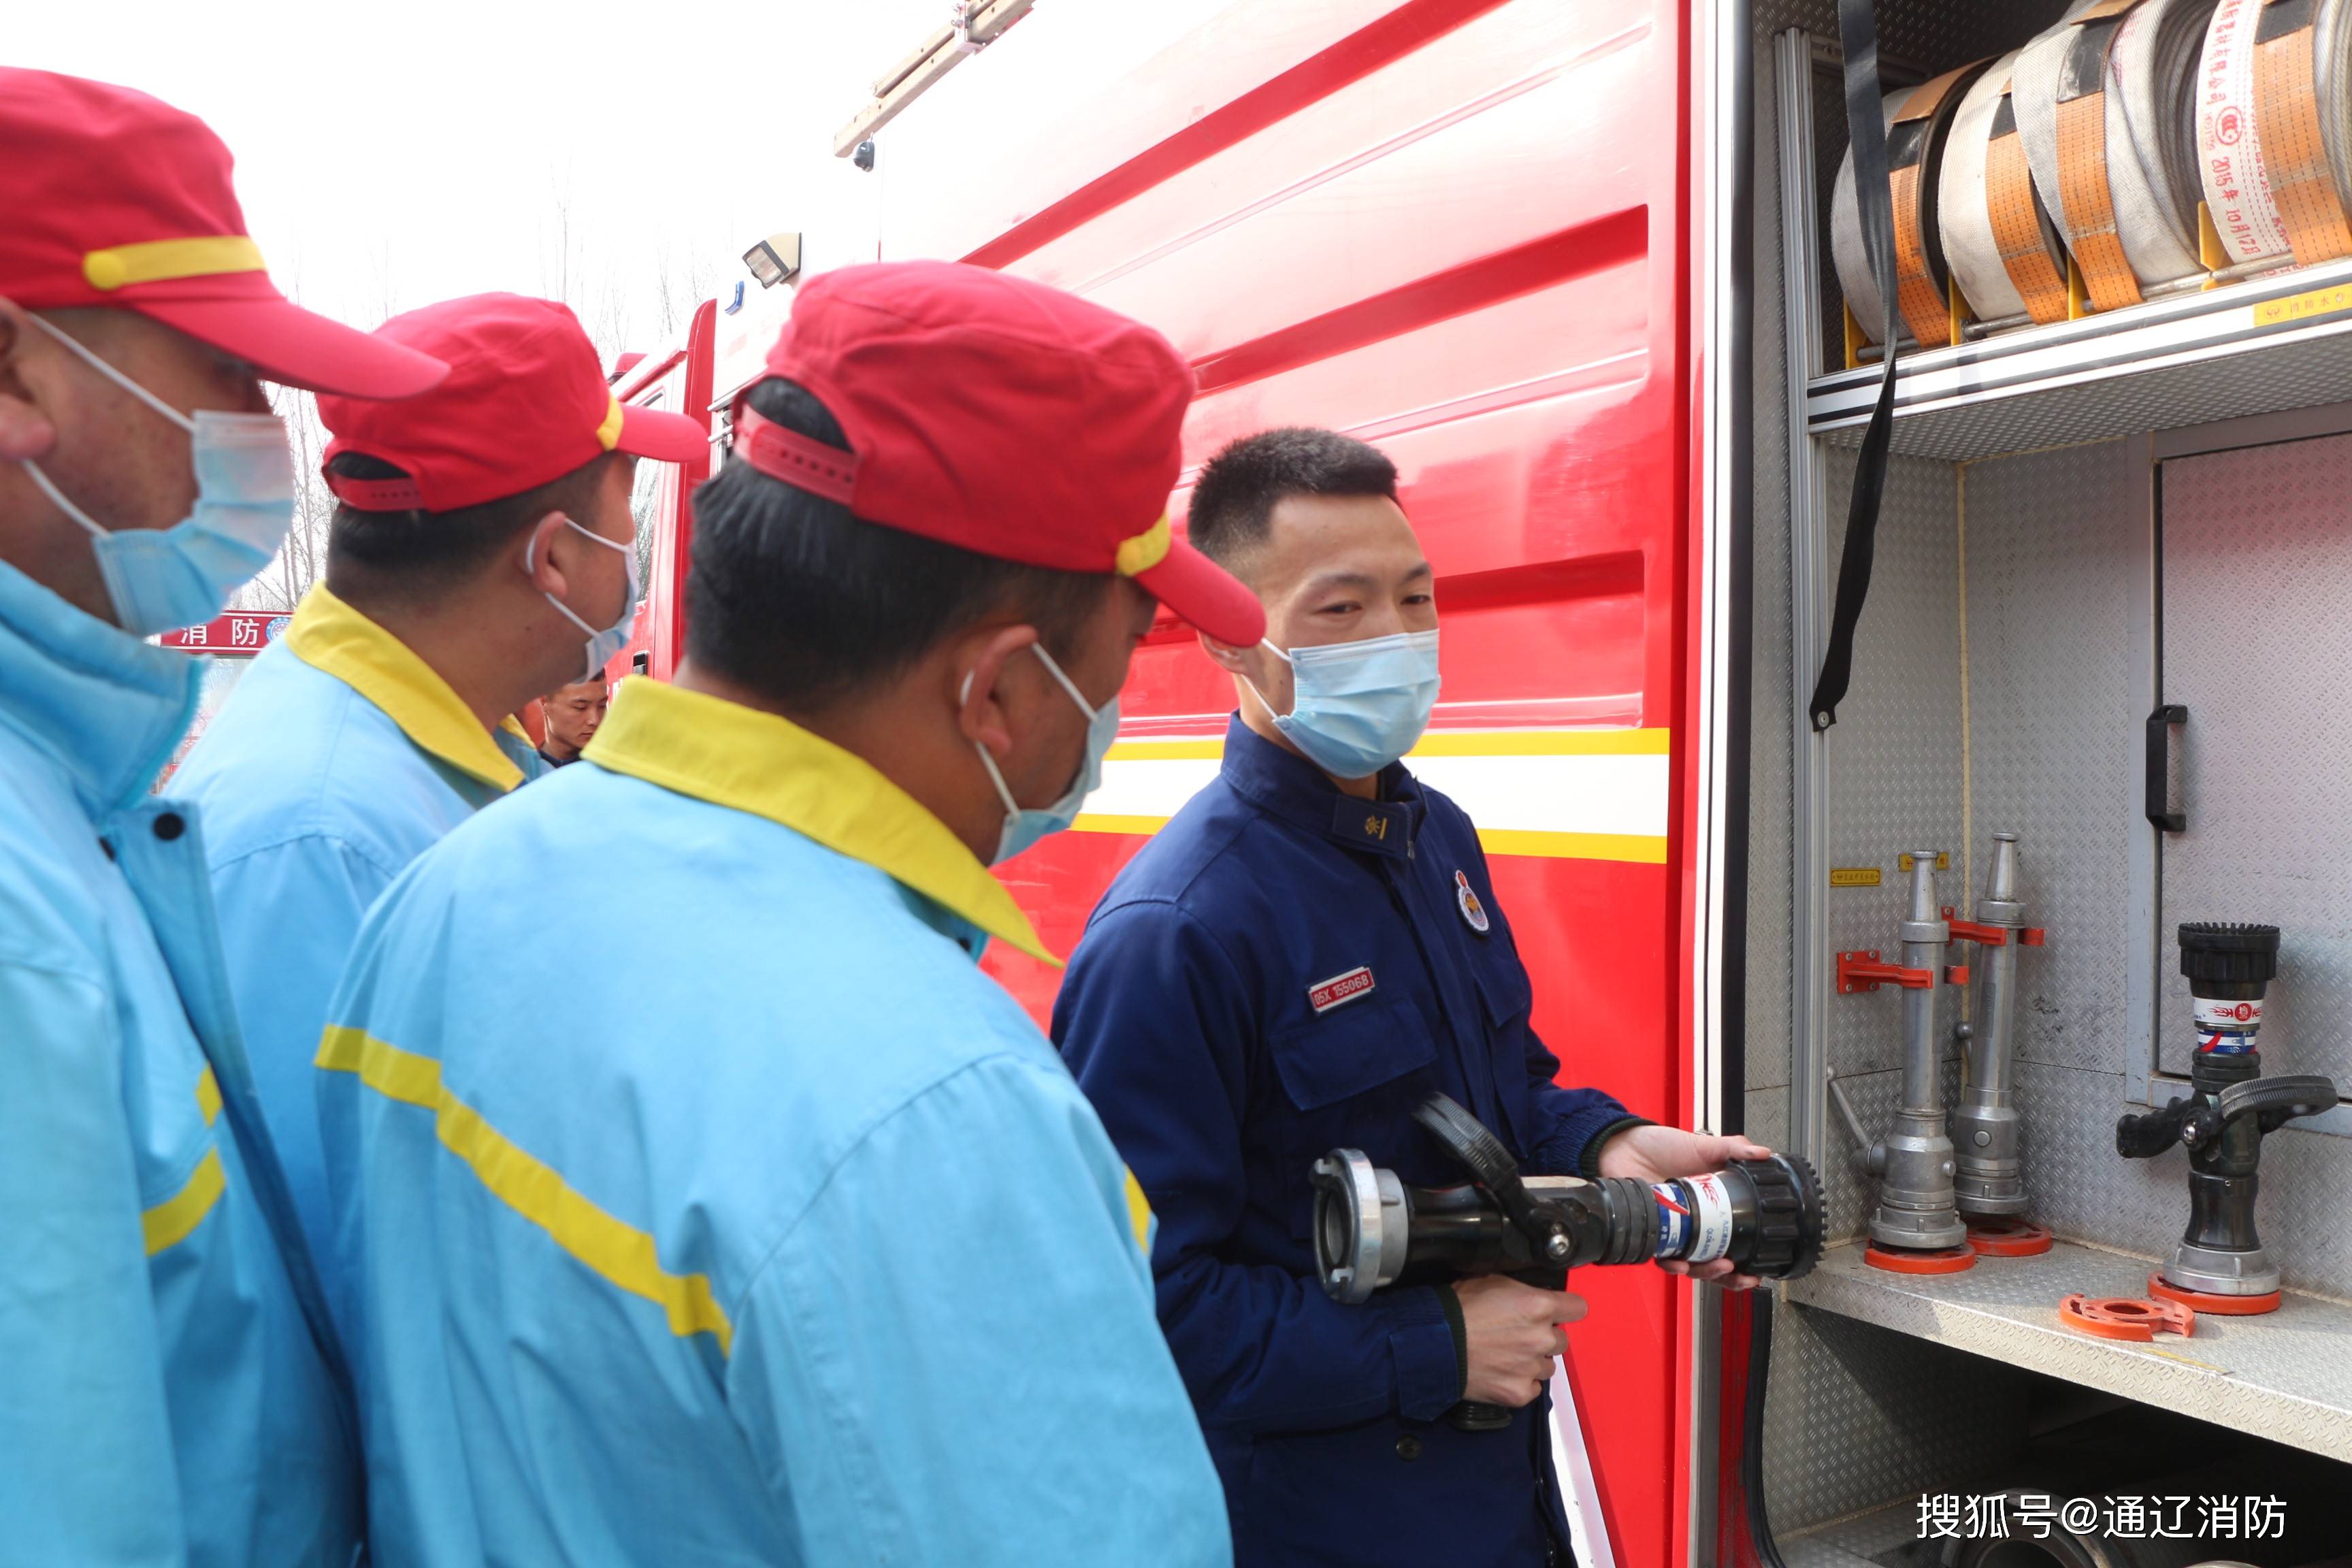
{"x":1865,"y":117}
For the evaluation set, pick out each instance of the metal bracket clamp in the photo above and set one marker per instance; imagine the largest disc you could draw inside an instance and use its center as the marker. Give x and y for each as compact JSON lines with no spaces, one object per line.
{"x":1993,"y":936}
{"x":1859,"y":971}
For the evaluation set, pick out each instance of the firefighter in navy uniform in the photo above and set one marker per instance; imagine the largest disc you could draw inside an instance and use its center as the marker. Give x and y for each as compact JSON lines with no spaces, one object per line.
{"x":1306,"y":951}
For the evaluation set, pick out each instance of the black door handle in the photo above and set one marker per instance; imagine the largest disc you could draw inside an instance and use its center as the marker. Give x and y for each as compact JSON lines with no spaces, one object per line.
{"x":2160,"y":815}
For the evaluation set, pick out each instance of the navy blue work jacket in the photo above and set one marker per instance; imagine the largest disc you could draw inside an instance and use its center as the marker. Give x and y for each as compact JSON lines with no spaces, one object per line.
{"x":1283,"y":970}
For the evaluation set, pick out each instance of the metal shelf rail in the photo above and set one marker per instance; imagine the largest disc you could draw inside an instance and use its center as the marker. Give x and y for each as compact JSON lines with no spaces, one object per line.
{"x":2286,"y":1375}
{"x":2260,"y":346}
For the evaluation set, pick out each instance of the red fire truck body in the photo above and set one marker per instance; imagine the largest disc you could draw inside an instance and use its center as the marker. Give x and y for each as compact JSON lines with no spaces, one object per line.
{"x":1462,"y":230}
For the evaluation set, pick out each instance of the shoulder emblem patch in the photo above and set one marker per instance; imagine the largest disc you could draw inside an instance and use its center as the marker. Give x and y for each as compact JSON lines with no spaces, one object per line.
{"x":1473,"y":914}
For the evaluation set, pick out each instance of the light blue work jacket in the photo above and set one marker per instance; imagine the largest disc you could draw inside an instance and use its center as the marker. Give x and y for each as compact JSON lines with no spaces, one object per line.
{"x":162,"y":1398}
{"x":767,"y":1229}
{"x":338,"y":759}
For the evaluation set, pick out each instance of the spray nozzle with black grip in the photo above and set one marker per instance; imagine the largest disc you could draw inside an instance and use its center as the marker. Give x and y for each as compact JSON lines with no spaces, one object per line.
{"x":1373,"y":1231}
{"x":2229,"y":1110}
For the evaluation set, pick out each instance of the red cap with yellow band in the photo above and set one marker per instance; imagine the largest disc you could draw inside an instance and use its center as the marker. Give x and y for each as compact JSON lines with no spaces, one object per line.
{"x":526,"y":403}
{"x":113,"y":198}
{"x":1001,"y":416}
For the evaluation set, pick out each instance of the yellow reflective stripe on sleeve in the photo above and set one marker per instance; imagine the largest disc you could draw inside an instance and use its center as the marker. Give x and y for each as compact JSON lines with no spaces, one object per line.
{"x":622,"y":1254}
{"x":161,"y":260}
{"x":208,"y":1096}
{"x":169,"y":1222}
{"x":1138,"y":1214}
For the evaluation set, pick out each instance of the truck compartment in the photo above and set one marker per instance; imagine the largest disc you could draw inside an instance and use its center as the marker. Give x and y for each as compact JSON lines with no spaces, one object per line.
{"x":2083,"y":521}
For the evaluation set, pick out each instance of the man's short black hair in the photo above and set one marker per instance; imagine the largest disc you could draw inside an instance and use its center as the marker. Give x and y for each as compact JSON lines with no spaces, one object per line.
{"x":794,"y":597}
{"x":1240,"y":487}
{"x":409,"y":554}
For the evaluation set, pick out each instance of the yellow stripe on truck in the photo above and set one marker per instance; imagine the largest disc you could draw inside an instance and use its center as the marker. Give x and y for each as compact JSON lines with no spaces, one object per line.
{"x":1638,"y":848}
{"x":1559,"y":795}
{"x":622,"y":1254}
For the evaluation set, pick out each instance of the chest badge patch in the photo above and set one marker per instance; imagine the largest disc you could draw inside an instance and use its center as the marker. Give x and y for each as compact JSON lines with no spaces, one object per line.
{"x":1325,"y":995}
{"x":1473,"y":914}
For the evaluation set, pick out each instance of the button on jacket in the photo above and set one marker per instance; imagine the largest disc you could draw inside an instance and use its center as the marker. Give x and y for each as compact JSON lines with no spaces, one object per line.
{"x":162,"y":1399}
{"x":777,"y":1235}
{"x":1283,"y":970}
{"x":338,"y":759}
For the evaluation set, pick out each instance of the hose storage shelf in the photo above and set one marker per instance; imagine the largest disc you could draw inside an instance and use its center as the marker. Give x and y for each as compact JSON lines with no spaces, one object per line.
{"x":2263,"y":345}
{"x":2287,"y":1376}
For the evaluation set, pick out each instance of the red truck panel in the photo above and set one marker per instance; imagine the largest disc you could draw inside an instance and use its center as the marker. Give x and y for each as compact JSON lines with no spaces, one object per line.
{"x":677,"y":380}
{"x":1454,"y":227}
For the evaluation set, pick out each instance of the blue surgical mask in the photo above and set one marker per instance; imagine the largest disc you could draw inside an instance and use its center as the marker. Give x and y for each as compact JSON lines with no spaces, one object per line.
{"x":1356,"y":707}
{"x":161,"y":579}
{"x":604,"y":644}
{"x":1024,"y":825}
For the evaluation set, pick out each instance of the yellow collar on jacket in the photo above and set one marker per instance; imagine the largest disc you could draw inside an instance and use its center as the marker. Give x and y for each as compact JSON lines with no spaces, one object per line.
{"x":768,"y":766}
{"x":329,"y":635}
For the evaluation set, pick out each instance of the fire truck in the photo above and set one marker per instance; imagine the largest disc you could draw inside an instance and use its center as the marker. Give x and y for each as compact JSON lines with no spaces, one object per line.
{"x":1569,"y":267}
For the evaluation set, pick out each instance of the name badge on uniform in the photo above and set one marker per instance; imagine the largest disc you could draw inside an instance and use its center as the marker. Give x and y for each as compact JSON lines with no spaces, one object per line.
{"x":1473,"y":914}
{"x":1325,"y":995}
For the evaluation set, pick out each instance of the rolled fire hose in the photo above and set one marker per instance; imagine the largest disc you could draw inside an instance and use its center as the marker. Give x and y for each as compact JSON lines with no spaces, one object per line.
{"x":2274,"y":128}
{"x":1918,"y":122}
{"x":2002,"y":250}
{"x":2103,"y":104}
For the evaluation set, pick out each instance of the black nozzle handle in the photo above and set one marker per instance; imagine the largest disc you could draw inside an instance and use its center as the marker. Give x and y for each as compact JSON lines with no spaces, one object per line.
{"x":1472,"y":1416}
{"x":1492,"y":1165}
{"x":2150,"y":1134}
{"x":2159,"y":804}
{"x":2278,"y":1101}
{"x":1467,"y":1139}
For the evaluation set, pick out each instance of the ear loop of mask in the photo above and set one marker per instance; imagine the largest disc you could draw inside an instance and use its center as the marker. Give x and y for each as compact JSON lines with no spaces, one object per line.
{"x":1278,"y":652}
{"x":42,"y":480}
{"x":530,"y":549}
{"x":996,"y":776}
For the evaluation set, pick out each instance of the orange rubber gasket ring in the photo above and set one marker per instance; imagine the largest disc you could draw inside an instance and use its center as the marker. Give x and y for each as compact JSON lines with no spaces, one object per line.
{"x":2125,"y":1317}
{"x":2219,"y":1306}
{"x":1946,"y":1260}
{"x":2000,"y":1236}
{"x":2286,"y":115}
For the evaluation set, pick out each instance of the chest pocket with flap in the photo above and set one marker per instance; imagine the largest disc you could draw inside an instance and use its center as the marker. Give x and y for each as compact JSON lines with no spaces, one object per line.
{"x":1501,"y":981}
{"x":1356,"y":1047}
{"x":1350,"y":1078}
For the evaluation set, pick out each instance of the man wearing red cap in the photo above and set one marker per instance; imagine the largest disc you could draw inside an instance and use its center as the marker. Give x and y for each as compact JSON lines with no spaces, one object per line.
{"x":481,"y":553}
{"x":168,"y":1382}
{"x":785,"y":1235}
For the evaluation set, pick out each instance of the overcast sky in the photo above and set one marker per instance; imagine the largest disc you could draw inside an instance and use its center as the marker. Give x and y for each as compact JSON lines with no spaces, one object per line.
{"x":390,"y":154}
